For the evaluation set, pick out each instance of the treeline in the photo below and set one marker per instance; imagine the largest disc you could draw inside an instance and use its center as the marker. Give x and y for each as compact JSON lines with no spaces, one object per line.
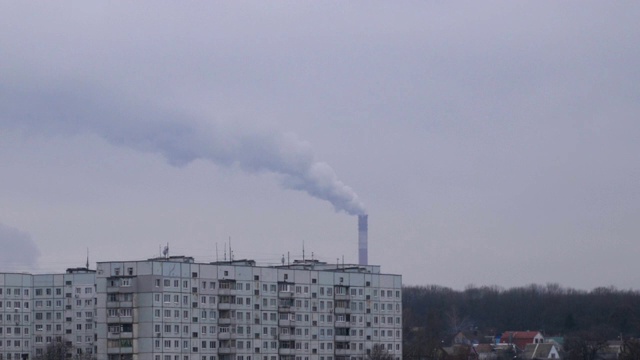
{"x":437,"y":312}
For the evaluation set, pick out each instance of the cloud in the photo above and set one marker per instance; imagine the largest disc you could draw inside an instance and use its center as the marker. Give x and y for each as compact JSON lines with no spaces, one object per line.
{"x":180,"y":138}
{"x":19,"y":251}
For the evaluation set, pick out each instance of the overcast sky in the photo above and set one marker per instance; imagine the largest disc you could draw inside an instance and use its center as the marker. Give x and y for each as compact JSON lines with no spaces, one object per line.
{"x":491,"y":143}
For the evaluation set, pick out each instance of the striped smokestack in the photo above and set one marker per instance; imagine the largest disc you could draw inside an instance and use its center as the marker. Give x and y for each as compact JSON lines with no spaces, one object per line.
{"x":363,"y":230}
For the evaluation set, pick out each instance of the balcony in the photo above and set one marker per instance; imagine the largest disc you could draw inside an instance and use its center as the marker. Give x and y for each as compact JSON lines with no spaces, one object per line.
{"x":225,"y":306}
{"x":113,"y":335}
{"x":342,"y":310}
{"x":286,"y":337}
{"x":285,"y":294}
{"x":343,"y":352}
{"x":226,"y":350}
{"x":226,"y":321}
{"x":285,"y":309}
{"x":126,"y":335}
{"x":286,"y":351}
{"x":226,"y":291}
{"x":226,"y":336}
{"x":120,"y":350}
{"x":286,"y":323}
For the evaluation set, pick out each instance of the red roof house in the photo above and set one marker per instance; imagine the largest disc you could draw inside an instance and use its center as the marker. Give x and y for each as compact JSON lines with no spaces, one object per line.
{"x":521,"y":338}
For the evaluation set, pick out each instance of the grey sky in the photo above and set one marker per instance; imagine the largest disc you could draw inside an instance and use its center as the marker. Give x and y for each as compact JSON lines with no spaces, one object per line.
{"x":491,"y":142}
{"x":19,"y":252}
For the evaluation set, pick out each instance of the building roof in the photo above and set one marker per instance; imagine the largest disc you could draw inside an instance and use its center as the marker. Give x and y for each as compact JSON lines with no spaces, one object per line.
{"x":537,"y":351}
{"x":484,"y":348}
{"x":308,"y":264}
{"x":519,"y":335}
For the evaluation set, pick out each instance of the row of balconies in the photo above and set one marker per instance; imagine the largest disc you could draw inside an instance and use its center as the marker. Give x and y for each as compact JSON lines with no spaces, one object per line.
{"x":233,"y":350}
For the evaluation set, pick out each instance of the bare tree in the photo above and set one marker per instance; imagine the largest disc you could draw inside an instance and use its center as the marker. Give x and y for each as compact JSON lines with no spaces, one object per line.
{"x":456,"y":322}
{"x":60,"y":350}
{"x":56,"y":350}
{"x":630,"y":350}
{"x":379,"y":353}
{"x":584,"y":346}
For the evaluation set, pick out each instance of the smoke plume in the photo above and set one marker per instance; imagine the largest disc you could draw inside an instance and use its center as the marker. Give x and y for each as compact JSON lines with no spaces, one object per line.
{"x":179,"y":137}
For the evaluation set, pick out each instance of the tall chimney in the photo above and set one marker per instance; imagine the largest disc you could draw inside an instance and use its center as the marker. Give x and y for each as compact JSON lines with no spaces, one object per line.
{"x":363,"y":230}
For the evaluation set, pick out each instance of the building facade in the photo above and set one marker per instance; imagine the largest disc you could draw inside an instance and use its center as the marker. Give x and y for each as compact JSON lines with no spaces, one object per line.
{"x":176,"y":309}
{"x":38,"y":310}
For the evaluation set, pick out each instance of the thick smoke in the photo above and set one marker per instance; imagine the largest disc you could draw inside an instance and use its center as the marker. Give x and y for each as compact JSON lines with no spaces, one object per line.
{"x":19,"y":252}
{"x":178,"y":137}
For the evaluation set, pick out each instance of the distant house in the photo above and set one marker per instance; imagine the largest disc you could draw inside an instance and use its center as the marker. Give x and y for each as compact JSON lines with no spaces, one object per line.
{"x":521,"y":338}
{"x":611,"y":351}
{"x":540,"y":351}
{"x":460,"y":352}
{"x":466,"y":338}
{"x":558,"y":341}
{"x":486,"y":352}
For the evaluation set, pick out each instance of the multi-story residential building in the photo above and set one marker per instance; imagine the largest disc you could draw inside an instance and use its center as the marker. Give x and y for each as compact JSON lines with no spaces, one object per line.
{"x":176,"y":309}
{"x":38,"y":310}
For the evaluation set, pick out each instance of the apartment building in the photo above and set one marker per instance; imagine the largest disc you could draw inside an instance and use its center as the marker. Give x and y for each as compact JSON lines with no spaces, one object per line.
{"x":176,"y":309}
{"x":38,"y":310}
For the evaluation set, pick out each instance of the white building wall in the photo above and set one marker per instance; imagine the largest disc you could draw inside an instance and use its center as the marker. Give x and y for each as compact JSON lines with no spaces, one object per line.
{"x":180,"y":310}
{"x":238,"y":311}
{"x":38,"y":310}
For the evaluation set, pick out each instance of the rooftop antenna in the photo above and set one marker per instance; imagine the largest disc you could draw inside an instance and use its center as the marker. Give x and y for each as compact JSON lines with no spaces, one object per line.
{"x":230,"y":251}
{"x":312,"y":255}
{"x":165,"y":252}
{"x":216,"y":252}
{"x":87,"y":266}
{"x":303,"y":250}
{"x":225,"y":251}
{"x":282,"y":259}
